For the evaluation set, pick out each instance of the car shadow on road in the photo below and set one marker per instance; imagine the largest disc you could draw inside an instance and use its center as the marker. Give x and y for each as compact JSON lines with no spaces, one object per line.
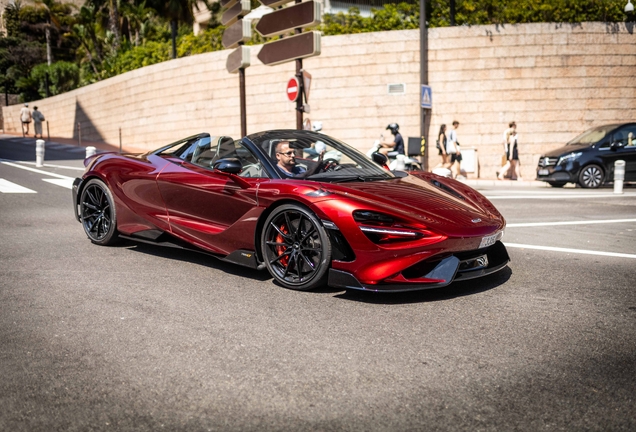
{"x":454,"y":290}
{"x":199,"y":258}
{"x":457,"y":289}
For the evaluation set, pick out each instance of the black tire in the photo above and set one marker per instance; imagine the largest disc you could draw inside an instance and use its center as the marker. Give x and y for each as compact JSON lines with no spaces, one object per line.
{"x":97,"y":213}
{"x":296,"y":248}
{"x":591,"y":176}
{"x":556,"y":184}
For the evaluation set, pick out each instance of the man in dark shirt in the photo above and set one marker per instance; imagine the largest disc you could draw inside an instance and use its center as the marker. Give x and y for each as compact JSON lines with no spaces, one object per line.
{"x":396,"y":146}
{"x":286,"y":158}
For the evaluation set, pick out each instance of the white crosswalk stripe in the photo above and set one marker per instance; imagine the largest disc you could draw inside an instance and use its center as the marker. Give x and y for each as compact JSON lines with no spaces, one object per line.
{"x":67,"y":183}
{"x":9,"y":187}
{"x":58,"y":180}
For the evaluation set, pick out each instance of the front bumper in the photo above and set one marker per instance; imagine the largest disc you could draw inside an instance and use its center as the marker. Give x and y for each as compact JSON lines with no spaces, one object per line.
{"x":566,"y":173}
{"x":456,"y":267}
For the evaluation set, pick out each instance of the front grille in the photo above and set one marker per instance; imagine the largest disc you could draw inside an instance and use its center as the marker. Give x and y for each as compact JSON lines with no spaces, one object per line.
{"x":546,"y":161}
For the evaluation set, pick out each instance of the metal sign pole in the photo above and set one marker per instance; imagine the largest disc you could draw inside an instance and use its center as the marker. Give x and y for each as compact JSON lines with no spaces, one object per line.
{"x":299,"y":75}
{"x":424,"y":117}
{"x":299,"y":99}
{"x":243,"y":104}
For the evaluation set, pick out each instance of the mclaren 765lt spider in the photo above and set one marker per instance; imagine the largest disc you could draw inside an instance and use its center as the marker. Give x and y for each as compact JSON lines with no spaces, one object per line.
{"x":310,"y":209}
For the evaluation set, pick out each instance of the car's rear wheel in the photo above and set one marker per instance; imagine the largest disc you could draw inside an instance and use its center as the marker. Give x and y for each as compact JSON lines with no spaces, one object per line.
{"x":591,"y":176}
{"x":296,"y":247}
{"x":556,"y":184}
{"x":97,"y":212}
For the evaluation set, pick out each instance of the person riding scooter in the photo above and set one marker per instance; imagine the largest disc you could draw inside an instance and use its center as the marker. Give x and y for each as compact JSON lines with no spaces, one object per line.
{"x":395,"y":146}
{"x":393,"y":149}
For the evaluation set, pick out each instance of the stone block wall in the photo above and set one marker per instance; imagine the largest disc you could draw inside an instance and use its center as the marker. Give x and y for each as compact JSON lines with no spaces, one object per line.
{"x":554,"y":80}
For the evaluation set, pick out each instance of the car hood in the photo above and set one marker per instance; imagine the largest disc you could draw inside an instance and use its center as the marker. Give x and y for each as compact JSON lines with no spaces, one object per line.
{"x":566,"y":149}
{"x":446,"y":206}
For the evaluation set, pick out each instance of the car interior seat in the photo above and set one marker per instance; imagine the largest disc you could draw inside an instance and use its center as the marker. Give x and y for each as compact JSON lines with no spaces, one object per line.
{"x":226,"y":149}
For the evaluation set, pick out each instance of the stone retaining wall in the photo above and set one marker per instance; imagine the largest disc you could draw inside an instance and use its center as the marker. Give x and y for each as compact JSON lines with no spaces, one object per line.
{"x":554,"y":80}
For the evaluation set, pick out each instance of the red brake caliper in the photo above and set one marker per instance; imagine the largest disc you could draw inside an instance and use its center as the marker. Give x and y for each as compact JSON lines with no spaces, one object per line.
{"x":281,"y":249}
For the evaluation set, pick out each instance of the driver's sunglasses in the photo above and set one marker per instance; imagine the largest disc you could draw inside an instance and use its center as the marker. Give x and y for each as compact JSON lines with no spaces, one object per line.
{"x":289,"y":153}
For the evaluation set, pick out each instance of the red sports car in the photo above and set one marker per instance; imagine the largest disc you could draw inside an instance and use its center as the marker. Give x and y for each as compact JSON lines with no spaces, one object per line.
{"x":309,"y":208}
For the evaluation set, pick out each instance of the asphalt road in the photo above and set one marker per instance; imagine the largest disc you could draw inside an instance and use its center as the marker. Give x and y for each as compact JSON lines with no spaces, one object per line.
{"x":141,"y":338}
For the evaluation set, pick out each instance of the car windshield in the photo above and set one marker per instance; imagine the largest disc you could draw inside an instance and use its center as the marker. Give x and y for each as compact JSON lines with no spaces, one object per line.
{"x":343,"y":163}
{"x":593,"y":135}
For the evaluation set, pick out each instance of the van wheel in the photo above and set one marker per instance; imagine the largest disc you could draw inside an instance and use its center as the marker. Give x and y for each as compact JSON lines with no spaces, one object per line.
{"x":591,"y":176}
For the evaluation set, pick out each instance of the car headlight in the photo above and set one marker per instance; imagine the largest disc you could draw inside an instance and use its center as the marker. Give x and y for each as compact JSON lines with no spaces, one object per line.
{"x":384,"y":229}
{"x":569,"y":158}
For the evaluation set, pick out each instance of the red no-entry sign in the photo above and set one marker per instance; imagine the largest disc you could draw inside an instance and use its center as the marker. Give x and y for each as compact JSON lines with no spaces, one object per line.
{"x":293,"y":89}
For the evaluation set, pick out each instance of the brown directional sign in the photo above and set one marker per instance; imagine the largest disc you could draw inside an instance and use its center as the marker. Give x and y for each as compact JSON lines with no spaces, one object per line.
{"x":238,"y":59}
{"x":305,"y":15}
{"x":273,"y":3}
{"x":290,"y":48}
{"x":240,"y":31}
{"x":231,"y":15}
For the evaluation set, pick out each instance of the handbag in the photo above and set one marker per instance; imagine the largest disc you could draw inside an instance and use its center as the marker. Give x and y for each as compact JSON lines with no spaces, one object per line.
{"x":437,"y":145}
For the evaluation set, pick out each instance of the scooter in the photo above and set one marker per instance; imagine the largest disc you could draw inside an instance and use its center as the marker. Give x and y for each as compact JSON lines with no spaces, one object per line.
{"x":398,"y":162}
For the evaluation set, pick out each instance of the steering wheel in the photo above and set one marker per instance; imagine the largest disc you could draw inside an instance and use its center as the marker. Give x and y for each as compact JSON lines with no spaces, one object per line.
{"x":331,"y":165}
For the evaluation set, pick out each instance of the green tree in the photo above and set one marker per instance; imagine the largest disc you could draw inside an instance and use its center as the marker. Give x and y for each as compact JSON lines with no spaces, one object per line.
{"x":62,"y":77}
{"x":178,"y":11}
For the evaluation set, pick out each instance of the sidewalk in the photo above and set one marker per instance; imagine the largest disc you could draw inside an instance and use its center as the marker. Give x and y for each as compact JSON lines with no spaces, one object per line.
{"x":99,"y":145}
{"x":505,"y":183}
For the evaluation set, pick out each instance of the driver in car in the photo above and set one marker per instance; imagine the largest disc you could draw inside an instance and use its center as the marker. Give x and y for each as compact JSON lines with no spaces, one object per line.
{"x":286,"y":158}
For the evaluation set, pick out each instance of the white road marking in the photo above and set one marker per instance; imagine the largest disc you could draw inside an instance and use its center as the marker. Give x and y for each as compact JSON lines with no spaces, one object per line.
{"x":67,"y":183}
{"x":567,"y":250}
{"x":37,"y":171}
{"x":7,"y":187}
{"x":55,"y":166}
{"x":537,"y":224}
{"x":562,"y":196}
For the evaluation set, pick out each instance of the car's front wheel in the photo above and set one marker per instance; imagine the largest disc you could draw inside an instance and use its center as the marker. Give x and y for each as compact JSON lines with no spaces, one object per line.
{"x":296,"y":247}
{"x":97,"y":212}
{"x":591,"y":176}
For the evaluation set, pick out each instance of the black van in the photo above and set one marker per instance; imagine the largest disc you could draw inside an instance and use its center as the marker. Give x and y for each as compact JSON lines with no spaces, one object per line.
{"x":589,"y":158}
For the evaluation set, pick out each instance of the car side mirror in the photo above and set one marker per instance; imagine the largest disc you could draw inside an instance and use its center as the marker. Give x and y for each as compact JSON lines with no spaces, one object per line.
{"x":228,"y":166}
{"x":617,"y":144}
{"x":379,"y":158}
{"x":231,"y":167}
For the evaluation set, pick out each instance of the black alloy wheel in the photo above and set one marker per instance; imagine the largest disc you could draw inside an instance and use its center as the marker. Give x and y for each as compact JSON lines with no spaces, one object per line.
{"x":296,"y":247}
{"x":591,"y":176}
{"x":97,"y":213}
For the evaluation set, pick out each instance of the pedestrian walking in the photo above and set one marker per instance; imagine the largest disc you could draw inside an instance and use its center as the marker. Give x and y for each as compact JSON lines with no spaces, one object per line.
{"x":441,"y":146}
{"x":38,"y":118}
{"x":453,"y":151}
{"x":25,"y":119}
{"x":514,"y":156}
{"x":512,"y":127}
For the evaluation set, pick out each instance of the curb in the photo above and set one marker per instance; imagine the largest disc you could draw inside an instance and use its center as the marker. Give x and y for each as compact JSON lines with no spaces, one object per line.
{"x":505,"y":183}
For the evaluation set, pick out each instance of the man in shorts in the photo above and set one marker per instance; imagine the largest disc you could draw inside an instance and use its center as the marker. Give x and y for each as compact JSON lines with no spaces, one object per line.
{"x":25,"y":118}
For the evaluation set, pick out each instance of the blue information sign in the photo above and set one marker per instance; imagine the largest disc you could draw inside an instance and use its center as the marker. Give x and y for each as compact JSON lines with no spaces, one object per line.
{"x":426,"y":99}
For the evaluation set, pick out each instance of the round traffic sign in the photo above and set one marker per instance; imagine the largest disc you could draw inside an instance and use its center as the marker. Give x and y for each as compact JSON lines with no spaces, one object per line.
{"x":293,"y":89}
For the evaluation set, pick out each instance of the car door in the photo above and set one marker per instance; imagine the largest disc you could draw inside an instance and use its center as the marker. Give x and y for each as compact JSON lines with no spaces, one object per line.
{"x":624,"y":148}
{"x":210,"y":208}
